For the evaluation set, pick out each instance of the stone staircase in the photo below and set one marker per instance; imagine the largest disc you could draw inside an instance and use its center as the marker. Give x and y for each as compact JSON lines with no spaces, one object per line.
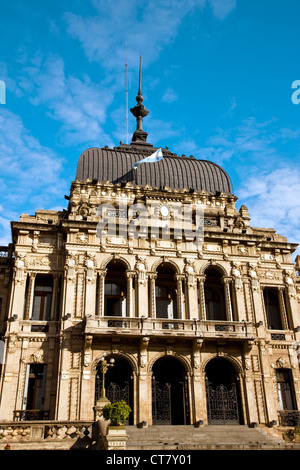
{"x":204,"y":438}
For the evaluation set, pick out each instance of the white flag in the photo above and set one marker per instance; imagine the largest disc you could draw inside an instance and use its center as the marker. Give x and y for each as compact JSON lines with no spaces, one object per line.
{"x":155,"y":157}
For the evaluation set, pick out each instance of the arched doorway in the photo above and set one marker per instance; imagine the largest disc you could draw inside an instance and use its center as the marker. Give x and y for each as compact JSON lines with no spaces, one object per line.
{"x":170,"y":404}
{"x":222,"y":393}
{"x":118,"y":382}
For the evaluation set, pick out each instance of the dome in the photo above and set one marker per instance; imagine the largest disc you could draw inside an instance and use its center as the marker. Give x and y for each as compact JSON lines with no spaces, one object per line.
{"x":116,"y":165}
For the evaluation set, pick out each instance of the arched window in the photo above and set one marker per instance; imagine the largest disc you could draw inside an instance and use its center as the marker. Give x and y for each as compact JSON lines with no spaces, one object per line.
{"x":115,"y":290}
{"x":214,"y":295}
{"x":165,"y":292}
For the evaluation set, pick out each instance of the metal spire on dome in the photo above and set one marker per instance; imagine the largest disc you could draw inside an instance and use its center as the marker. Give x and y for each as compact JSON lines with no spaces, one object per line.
{"x":139,"y":112}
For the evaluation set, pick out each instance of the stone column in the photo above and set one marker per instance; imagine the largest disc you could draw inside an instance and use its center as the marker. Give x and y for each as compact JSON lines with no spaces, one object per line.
{"x":198,"y":393}
{"x":101,"y":291}
{"x":69,"y":291}
{"x":90,"y":287}
{"x":141,"y":288}
{"x":238,"y":290}
{"x":283,"y":312}
{"x":249,"y":405}
{"x":152,"y":277}
{"x":144,"y":394}
{"x":256,"y":295}
{"x":9,"y":377}
{"x":268,"y":398}
{"x":87,"y":398}
{"x":292,"y":301}
{"x":226,"y":281}
{"x":63,"y":378}
{"x":30,"y":296}
{"x":201,"y":281}
{"x":129,"y":298}
{"x":192,"y":299}
{"x":54,"y":302}
{"x":179,"y":278}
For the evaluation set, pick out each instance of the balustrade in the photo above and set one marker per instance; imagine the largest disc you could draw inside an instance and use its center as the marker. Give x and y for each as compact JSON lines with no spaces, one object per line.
{"x":45,"y":431}
{"x":160,"y":326}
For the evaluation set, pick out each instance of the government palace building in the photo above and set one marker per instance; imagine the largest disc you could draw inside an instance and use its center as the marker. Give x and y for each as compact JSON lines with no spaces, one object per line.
{"x":153,"y":270}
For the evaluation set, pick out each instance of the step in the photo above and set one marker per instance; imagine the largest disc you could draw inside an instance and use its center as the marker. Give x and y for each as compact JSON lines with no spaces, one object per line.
{"x":207,"y":437}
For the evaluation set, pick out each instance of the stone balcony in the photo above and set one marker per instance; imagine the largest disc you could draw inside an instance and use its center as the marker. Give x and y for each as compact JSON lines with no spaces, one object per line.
{"x":205,"y":329}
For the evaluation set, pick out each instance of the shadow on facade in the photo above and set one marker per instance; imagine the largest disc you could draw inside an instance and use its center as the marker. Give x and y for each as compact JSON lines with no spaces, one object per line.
{"x":118,"y":383}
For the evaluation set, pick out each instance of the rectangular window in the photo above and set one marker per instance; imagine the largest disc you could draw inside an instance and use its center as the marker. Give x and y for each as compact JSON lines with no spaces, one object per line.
{"x":42,"y":299}
{"x":34,"y":393}
{"x":285,"y":389}
{"x":272,"y":308}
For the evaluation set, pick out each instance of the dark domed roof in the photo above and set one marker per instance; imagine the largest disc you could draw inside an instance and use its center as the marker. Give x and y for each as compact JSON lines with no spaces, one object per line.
{"x":116,"y":165}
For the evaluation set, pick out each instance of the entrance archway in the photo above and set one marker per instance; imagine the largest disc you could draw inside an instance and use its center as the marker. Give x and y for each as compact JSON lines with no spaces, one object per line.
{"x":222,"y":393}
{"x":118,"y":382}
{"x":170,"y":404}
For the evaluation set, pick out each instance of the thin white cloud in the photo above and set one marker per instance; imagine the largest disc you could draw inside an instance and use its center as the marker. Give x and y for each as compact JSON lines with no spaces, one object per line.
{"x":250,"y":139}
{"x":269,"y":180}
{"x":169,"y":96}
{"x":78,"y":104}
{"x":273,"y":200}
{"x":146,"y":27}
{"x":222,"y":8}
{"x":31,"y":174}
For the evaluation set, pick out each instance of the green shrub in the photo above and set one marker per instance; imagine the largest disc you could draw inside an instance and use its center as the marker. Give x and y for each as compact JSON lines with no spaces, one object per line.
{"x":116,"y":413}
{"x":297,"y":429}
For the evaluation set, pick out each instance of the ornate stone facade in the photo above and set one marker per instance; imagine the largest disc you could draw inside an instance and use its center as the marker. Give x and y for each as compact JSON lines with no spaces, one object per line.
{"x":198,"y":309}
{"x":54,"y":351}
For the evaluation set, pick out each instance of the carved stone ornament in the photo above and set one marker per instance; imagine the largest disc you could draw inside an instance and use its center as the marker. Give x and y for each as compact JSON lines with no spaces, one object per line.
{"x":281,"y":363}
{"x":143,"y":351}
{"x":190,"y":271}
{"x":247,"y":363}
{"x":12,"y":341}
{"x":141,"y":267}
{"x":20,"y":267}
{"x":236,"y":273}
{"x":37,"y":357}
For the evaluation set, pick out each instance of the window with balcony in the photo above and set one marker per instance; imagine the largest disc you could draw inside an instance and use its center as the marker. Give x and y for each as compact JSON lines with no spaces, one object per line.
{"x":115,"y":300}
{"x":42,"y":299}
{"x":285,"y":389}
{"x":272,"y":308}
{"x":34,"y":391}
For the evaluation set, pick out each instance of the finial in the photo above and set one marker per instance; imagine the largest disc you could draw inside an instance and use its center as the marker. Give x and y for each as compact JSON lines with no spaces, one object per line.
{"x":139,"y":112}
{"x":140,"y":81}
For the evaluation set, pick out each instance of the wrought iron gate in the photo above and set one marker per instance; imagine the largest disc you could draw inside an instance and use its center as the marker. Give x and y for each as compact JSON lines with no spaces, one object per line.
{"x":222,"y":405}
{"x":113,"y":392}
{"x":161,"y":403}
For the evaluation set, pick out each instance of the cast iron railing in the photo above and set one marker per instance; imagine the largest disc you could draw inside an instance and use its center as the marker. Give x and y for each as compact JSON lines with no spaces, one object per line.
{"x":31,"y":415}
{"x":289,"y":417}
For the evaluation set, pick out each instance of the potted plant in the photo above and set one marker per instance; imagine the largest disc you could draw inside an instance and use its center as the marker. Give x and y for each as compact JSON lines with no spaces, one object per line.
{"x":116,"y":436}
{"x":116,"y":413}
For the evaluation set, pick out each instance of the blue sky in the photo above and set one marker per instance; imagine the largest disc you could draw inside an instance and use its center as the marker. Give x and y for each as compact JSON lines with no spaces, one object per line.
{"x":217,"y":79}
